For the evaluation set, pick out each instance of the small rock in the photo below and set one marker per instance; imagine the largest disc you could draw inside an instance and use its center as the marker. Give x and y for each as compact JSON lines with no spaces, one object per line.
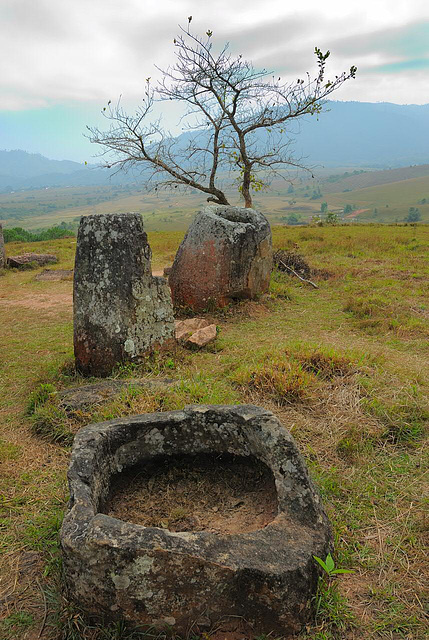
{"x":22,"y":261}
{"x":202,"y":337}
{"x":185,"y":328}
{"x":84,"y":397}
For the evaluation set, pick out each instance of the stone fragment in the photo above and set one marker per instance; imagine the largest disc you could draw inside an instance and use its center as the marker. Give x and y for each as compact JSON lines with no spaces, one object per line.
{"x":84,"y":397}
{"x":2,"y":249}
{"x":55,"y":275}
{"x":225,"y":255}
{"x":121,"y":311}
{"x":202,"y":337}
{"x":190,"y":580}
{"x":185,"y":328}
{"x":24,"y":260}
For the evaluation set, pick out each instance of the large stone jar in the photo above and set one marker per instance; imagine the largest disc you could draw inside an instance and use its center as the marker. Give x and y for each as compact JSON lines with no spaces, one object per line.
{"x":267,"y":578}
{"x":120,"y":310}
{"x":226,"y":255}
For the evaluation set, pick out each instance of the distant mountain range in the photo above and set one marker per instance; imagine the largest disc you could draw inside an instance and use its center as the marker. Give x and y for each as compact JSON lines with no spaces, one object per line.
{"x":348,"y":134}
{"x":378,"y":135}
{"x":22,"y":170}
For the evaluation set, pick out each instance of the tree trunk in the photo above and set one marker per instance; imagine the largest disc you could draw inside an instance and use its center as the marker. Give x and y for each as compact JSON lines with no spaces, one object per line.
{"x":218,"y":198}
{"x":245,"y":189}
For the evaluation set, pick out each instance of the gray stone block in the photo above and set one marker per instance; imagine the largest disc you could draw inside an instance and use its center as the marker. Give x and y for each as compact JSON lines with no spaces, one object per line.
{"x":148,"y":575}
{"x":121,"y":311}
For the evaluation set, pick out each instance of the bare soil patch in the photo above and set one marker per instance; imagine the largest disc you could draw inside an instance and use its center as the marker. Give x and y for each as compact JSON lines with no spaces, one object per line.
{"x":38,"y":301}
{"x":217,"y":493}
{"x":55,"y":275}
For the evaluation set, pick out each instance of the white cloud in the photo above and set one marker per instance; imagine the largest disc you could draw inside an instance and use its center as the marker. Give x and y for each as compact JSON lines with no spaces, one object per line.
{"x":54,"y":51}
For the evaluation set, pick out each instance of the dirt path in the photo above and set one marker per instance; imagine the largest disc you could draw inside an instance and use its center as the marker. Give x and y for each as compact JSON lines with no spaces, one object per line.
{"x":39,"y":301}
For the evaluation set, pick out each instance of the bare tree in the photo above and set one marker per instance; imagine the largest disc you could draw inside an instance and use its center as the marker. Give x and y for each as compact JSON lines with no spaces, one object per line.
{"x":228,"y":104}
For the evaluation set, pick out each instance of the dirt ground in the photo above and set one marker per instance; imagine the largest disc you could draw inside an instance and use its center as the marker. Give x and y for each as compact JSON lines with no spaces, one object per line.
{"x":224,"y":494}
{"x":36,"y":301}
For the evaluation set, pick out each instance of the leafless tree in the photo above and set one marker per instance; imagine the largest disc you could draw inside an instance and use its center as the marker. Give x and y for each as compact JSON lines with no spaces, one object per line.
{"x":228,"y":104}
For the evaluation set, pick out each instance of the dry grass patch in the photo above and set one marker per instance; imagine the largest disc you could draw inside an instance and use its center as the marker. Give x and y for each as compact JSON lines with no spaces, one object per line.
{"x":283,"y":381}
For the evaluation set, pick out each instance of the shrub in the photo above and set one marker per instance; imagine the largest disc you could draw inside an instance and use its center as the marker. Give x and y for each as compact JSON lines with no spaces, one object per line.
{"x":18,"y":234}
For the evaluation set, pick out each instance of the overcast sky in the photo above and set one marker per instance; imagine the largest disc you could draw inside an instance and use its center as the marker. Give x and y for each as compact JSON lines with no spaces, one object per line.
{"x":61,"y":60}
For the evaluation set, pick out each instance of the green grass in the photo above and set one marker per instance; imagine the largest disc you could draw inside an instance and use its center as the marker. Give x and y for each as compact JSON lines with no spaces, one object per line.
{"x":14,"y":624}
{"x":353,"y":394}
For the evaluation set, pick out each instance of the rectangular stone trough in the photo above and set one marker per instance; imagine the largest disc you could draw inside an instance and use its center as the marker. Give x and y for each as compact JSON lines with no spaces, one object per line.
{"x":265,"y":578}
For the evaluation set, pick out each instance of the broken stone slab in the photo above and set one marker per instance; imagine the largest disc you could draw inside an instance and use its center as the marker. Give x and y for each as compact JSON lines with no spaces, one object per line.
{"x":55,"y":275}
{"x":84,"y":397}
{"x":121,"y":311}
{"x":225,"y":255}
{"x":185,"y":328}
{"x":25,"y":259}
{"x":2,"y":249}
{"x":182,"y":580}
{"x":195,"y":332}
{"x":202,"y":337}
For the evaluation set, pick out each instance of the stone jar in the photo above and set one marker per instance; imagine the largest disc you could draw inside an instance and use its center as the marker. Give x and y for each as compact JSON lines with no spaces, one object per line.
{"x":120,"y":310}
{"x":266,"y":578}
{"x":225,"y":255}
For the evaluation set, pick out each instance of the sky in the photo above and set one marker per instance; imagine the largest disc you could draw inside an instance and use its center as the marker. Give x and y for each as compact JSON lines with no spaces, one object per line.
{"x":62,"y":60}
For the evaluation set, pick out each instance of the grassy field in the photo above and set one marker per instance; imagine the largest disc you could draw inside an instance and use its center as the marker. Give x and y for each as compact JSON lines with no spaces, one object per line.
{"x":391,"y":201}
{"x":380,"y":196}
{"x":359,"y":179}
{"x":346,"y":369}
{"x":20,"y":207}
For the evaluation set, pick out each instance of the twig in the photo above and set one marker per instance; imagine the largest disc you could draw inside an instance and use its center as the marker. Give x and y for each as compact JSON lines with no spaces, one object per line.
{"x":45,"y":615}
{"x":297,"y":275}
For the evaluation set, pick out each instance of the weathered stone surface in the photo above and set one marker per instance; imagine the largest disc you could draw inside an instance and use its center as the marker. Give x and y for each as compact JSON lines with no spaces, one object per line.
{"x":55,"y":275}
{"x":191,"y":579}
{"x":86,"y":396}
{"x":185,"y":328}
{"x":121,"y":311}
{"x":225,"y":255}
{"x":22,"y":261}
{"x":2,"y":249}
{"x":202,"y":337}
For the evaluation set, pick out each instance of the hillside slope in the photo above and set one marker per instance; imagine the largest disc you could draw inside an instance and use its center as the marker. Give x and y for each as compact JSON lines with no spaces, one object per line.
{"x":386,"y":202}
{"x":335,"y":184}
